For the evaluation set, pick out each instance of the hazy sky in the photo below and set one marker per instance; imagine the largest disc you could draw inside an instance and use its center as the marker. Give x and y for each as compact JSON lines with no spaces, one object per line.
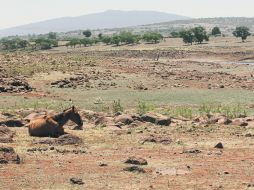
{"x":18,"y":12}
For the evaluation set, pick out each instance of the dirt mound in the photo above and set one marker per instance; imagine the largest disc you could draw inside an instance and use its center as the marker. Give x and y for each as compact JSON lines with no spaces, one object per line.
{"x":14,"y":85}
{"x":6,"y":135}
{"x":67,"y":139}
{"x":8,"y":155}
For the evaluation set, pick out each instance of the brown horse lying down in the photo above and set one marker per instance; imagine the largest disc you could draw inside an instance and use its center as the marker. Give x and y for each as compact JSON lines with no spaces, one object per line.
{"x":52,"y":126}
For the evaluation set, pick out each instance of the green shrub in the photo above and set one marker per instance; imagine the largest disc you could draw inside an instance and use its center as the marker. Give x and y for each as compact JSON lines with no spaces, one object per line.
{"x":117,"y":107}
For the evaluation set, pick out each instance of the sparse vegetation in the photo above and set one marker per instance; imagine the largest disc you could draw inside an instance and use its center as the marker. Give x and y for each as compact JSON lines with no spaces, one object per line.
{"x":117,"y":107}
{"x":87,"y":33}
{"x":230,"y":110}
{"x":197,"y":34}
{"x":152,"y":37}
{"x":242,"y":32}
{"x":216,"y":31}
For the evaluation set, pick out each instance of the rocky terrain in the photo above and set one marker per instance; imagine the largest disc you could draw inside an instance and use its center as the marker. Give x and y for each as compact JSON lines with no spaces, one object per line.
{"x":161,"y":116}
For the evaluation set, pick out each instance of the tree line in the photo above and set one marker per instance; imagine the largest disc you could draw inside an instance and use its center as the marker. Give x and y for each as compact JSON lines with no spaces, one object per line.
{"x":190,"y":36}
{"x":199,"y":34}
{"x":123,"y":38}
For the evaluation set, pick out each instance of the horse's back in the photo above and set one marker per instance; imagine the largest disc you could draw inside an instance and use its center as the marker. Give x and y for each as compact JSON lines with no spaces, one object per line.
{"x":43,"y":127}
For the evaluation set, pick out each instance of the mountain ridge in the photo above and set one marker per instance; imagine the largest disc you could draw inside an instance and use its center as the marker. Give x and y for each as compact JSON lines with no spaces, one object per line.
{"x":106,"y":19}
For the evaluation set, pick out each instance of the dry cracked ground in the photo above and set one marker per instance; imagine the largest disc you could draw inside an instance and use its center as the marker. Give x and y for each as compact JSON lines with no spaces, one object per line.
{"x":173,"y":139}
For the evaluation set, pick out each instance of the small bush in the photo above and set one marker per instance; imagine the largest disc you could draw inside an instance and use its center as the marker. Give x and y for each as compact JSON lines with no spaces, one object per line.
{"x":117,"y":107}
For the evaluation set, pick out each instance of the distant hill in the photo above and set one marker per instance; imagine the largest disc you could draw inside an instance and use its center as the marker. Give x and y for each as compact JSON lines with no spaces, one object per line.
{"x":107,"y":19}
{"x":226,"y":24}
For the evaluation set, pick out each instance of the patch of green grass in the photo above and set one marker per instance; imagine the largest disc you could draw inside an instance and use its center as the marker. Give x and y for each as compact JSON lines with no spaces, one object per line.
{"x":144,"y":107}
{"x":230,"y":110}
{"x":11,"y":103}
{"x":182,"y":111}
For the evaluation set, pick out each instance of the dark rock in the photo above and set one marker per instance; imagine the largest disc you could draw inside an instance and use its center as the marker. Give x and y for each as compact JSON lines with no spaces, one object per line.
{"x":193,"y":151}
{"x":77,"y":181}
{"x":134,"y":169}
{"x":156,"y":119}
{"x":149,"y":118}
{"x":125,"y":119}
{"x":219,"y":145}
{"x":8,"y":155}
{"x":136,"y":161}
{"x":165,"y":121}
{"x":102,"y":164}
{"x":157,"y":139}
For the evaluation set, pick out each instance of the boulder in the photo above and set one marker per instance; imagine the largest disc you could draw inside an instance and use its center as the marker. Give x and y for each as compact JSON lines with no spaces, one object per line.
{"x":8,"y":155}
{"x":219,"y":145}
{"x":125,"y":119}
{"x":224,"y":121}
{"x":103,"y":120}
{"x":239,"y":122}
{"x":155,"y":118}
{"x":157,"y":139}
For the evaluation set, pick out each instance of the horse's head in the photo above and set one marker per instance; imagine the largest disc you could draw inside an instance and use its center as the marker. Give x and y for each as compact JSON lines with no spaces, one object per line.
{"x":75,"y":117}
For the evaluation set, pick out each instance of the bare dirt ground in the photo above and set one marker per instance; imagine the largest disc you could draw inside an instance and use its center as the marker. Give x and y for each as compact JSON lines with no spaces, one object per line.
{"x":166,"y":76}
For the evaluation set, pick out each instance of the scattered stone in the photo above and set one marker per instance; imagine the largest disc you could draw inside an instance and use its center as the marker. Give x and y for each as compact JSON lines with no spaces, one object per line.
{"x":14,"y":85}
{"x":157,"y":139}
{"x":192,"y":151}
{"x":125,"y":119}
{"x":156,"y":119}
{"x":104,"y":121}
{"x":66,"y":139}
{"x":134,"y":169}
{"x":240,"y":122}
{"x":102,"y":164}
{"x":171,"y":171}
{"x":163,"y":121}
{"x":77,"y":181}
{"x":219,"y":145}
{"x":6,"y":135}
{"x":224,"y":121}
{"x":8,"y":155}
{"x":136,"y":161}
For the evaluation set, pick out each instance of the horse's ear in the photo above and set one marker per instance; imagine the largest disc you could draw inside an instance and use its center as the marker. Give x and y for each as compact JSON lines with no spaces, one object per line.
{"x":73,"y":107}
